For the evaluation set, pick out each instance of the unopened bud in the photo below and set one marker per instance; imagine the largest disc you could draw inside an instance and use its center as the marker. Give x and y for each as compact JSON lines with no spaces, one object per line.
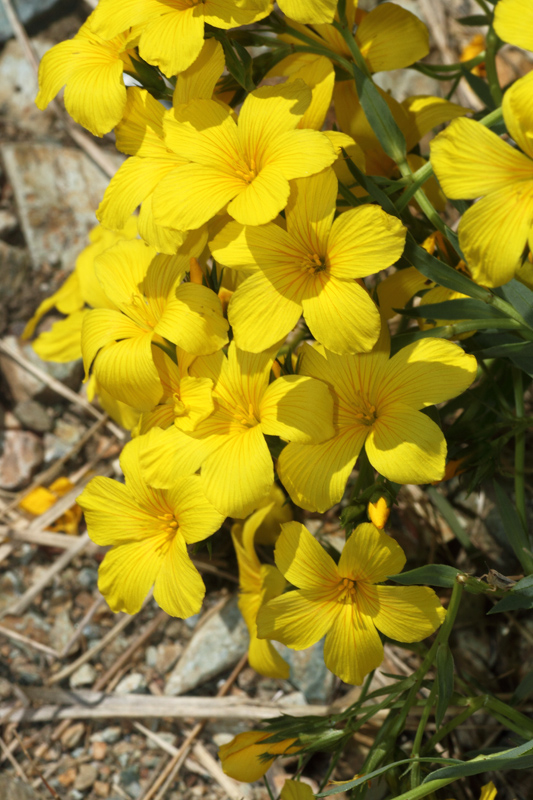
{"x":195,"y":271}
{"x":379,"y":511}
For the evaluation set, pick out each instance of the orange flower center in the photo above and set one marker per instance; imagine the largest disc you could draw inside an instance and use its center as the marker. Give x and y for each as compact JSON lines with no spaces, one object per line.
{"x":246,"y":171}
{"x":169,"y":524}
{"x":246,"y":417}
{"x":313,"y":264}
{"x":366,"y":412}
{"x":347,"y":591}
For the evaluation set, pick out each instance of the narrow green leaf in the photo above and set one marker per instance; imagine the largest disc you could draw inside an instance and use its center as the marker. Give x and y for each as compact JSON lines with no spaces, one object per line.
{"x":511,"y":522}
{"x":453,"y":309}
{"x":518,"y":758}
{"x":441,"y":273}
{"x":432,"y":575}
{"x":379,"y":116}
{"x":520,"y":596}
{"x":523,"y":690}
{"x":447,"y":511}
{"x":520,"y":297}
{"x":474,"y":20}
{"x":344,"y":787}
{"x":479,"y":87}
{"x":445,"y":681}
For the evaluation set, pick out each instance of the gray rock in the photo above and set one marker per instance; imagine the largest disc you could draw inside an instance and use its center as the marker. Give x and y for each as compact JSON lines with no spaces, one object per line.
{"x":166,"y":736}
{"x":84,"y":676}
{"x":25,"y":386}
{"x":108,"y":735}
{"x":11,"y":789}
{"x":134,"y":683}
{"x":308,"y":673}
{"x":21,"y":454}
{"x":86,"y":777}
{"x":57,"y":190}
{"x":62,"y":630}
{"x":27,"y":11}
{"x":33,"y":416}
{"x":87,"y":577}
{"x":15,"y":263}
{"x":61,"y":441}
{"x":214,"y":647}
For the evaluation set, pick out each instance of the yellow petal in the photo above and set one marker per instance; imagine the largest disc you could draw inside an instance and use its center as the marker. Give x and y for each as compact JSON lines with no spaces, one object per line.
{"x":112,"y":514}
{"x":489,"y":791}
{"x":63,"y":342}
{"x":164,"y":240}
{"x":285,"y":409}
{"x":124,"y":415}
{"x":423,"y":113}
{"x":370,"y":555}
{"x":132,"y":183}
{"x":179,"y":590}
{"x":298,"y":154}
{"x":241,"y":757}
{"x":270,"y":111}
{"x":192,"y":194}
{"x":364,"y":240}
{"x":261,"y":200}
{"x":249,"y":246}
{"x":406,"y":446}
{"x":157,"y":44}
{"x":298,"y":619}
{"x":205,"y":132}
{"x":230,"y":14}
{"x":121,"y":271}
{"x":353,"y":647}
{"x":426,"y":372}
{"x":239,"y":473}
{"x":403,"y":613}
{"x":309,"y":11}
{"x":318,"y":73}
{"x":513,"y":22}
{"x":296,"y":790}
{"x":193,"y":320}
{"x":302,"y":560}
{"x":197,"y":517}
{"x":315,"y":476}
{"x":517,"y":109}
{"x":340,"y":314}
{"x":493,"y":233}
{"x":390,"y":37}
{"x":67,"y":299}
{"x":100,"y":327}
{"x":199,"y":80}
{"x":397,"y":289}
{"x":311,"y":209}
{"x":470,"y":161}
{"x":128,"y":572}
{"x":127,"y":371}
{"x":254,"y":330}
{"x":140,"y":131}
{"x":168,"y":454}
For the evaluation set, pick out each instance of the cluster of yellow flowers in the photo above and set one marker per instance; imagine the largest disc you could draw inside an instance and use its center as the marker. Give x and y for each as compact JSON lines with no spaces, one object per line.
{"x":236,"y":214}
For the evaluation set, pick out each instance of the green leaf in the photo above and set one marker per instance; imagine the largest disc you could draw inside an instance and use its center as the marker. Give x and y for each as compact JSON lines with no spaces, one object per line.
{"x":370,"y":186}
{"x":479,"y":87}
{"x":379,"y":116}
{"x":474,"y":20}
{"x":238,"y":61}
{"x":441,"y":273}
{"x":520,"y":596}
{"x":520,"y":297}
{"x":511,"y":522}
{"x":523,"y":690}
{"x":518,"y":758}
{"x":432,"y":575}
{"x":453,"y":309}
{"x":447,"y":511}
{"x":445,"y":681}
{"x":344,"y":787}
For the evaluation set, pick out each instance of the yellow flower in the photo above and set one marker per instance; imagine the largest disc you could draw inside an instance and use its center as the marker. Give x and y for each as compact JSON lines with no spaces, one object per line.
{"x":246,"y":166}
{"x":146,"y":289}
{"x":488,"y":792}
{"x":140,"y":135}
{"x":513,"y":22}
{"x":312,"y":266}
{"x":92,"y":69}
{"x":296,"y":790}
{"x":186,"y":400}
{"x":41,"y":499}
{"x":258,"y":583}
{"x":379,"y":512}
{"x":149,"y":531}
{"x":471,"y":161}
{"x":309,"y":11}
{"x":230,"y":444}
{"x":473,"y":48}
{"x":172,"y":33}
{"x":376,"y":406}
{"x":241,"y":758}
{"x":280,"y":511}
{"x":343,"y":602}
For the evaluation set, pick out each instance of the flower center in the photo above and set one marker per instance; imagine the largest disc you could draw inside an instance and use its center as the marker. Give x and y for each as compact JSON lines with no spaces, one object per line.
{"x":246,"y":171}
{"x":246,"y":417}
{"x":313,"y":264}
{"x":347,"y":591}
{"x":366,"y":412}
{"x":169,"y":524}
{"x":180,"y":409}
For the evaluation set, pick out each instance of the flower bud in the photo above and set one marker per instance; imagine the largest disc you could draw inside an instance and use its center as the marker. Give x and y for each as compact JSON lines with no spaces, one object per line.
{"x":379,"y":511}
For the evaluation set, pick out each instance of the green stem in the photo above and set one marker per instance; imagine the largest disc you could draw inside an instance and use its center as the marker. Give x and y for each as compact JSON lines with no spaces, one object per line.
{"x":269,"y":790}
{"x":507,"y":309}
{"x":491,"y":119}
{"x":378,"y":754}
{"x":415,"y":773}
{"x":425,"y":789}
{"x":520,"y":448}
{"x":490,"y":61}
{"x":475,"y":704}
{"x":423,"y":201}
{"x":523,"y":725}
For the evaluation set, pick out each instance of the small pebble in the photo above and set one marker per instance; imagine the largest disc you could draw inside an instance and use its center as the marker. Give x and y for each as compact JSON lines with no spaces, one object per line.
{"x":134,"y":683}
{"x":85,"y":778}
{"x":108,"y":735}
{"x":73,"y":735}
{"x":84,"y":676}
